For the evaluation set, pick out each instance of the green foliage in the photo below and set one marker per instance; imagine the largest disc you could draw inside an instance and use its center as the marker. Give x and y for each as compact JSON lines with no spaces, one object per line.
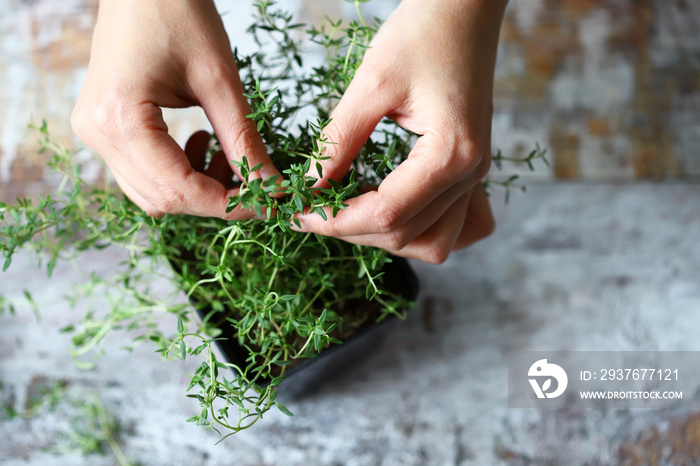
{"x":93,"y":429}
{"x":88,"y":427}
{"x":277,"y":291}
{"x":498,"y":158}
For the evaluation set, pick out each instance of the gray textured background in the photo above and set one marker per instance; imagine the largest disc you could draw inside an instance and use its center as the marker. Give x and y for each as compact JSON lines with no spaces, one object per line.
{"x":572,"y":266}
{"x":610,"y":86}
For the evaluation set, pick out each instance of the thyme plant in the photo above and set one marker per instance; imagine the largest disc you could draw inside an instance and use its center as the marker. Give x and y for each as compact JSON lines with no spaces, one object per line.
{"x":277,"y":292}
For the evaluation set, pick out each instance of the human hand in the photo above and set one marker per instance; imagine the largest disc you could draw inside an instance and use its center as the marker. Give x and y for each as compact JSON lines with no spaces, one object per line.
{"x":160,"y":53}
{"x":429,"y":68}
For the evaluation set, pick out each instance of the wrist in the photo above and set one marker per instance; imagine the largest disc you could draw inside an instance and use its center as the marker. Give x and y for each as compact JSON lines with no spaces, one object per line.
{"x":493,"y":7}
{"x":488,"y":13}
{"x":161,"y":8}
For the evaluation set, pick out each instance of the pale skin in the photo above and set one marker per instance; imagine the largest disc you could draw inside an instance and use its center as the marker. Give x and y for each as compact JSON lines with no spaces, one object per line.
{"x":430,"y":68}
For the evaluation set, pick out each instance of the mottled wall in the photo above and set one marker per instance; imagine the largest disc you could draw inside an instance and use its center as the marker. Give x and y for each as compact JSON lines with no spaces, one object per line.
{"x":44,"y":47}
{"x":611,"y":87}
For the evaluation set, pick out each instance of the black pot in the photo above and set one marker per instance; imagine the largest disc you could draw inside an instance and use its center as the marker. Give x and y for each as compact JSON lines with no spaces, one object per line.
{"x":307,"y":376}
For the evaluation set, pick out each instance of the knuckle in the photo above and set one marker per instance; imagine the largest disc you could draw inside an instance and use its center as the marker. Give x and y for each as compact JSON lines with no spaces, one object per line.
{"x":437,"y":255}
{"x":332,"y":228}
{"x":328,"y":227}
{"x":473,"y":158}
{"x":239,"y":214}
{"x":148,"y":208}
{"x":217,"y":75}
{"x":448,"y":162}
{"x":79,"y":122}
{"x":470,"y":158}
{"x":154,"y":212}
{"x":386,"y":218}
{"x":170,"y":200}
{"x":335,"y":138}
{"x":376,"y":80}
{"x":162,"y":204}
{"x":245,"y":140}
{"x":111,"y":114}
{"x":483,"y":167}
{"x":396,"y":240}
{"x":105,"y":111}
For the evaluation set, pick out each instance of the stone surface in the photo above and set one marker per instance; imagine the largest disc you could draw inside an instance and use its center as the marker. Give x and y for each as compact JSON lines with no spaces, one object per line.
{"x":572,"y":266}
{"x":611,"y":87}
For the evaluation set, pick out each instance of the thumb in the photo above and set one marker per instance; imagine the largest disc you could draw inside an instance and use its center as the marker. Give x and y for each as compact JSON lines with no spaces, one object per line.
{"x":352,"y":122}
{"x":226,"y":108}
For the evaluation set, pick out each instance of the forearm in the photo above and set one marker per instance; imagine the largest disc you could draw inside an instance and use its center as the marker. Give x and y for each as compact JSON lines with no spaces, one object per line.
{"x":468,"y":20}
{"x":487,"y":12}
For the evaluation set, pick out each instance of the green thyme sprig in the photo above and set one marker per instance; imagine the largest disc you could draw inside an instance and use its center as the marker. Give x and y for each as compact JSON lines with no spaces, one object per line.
{"x":275,"y":289}
{"x":277,"y":292}
{"x":536,"y":154}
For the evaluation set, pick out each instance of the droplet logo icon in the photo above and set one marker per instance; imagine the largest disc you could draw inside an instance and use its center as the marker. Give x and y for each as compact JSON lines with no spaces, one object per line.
{"x":546,"y":372}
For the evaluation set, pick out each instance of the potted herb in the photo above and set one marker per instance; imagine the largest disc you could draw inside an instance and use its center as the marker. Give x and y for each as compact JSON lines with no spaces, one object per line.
{"x":271,"y":297}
